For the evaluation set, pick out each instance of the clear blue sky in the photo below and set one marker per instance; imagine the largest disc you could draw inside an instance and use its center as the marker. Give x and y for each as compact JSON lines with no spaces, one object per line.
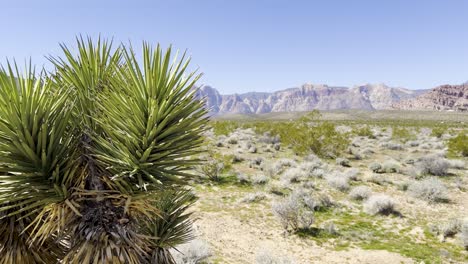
{"x":264,"y":45}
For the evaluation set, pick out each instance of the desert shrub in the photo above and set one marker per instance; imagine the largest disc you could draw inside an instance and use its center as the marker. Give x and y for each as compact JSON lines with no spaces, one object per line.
{"x":279,"y":166}
{"x":338,"y":181}
{"x":260,"y":179}
{"x":192,"y":253}
{"x":237,"y":157}
{"x":267,"y":257}
{"x":450,"y":228}
{"x":308,"y":135}
{"x":330,"y":228}
{"x":402,"y":134}
{"x":343,"y":162}
{"x":376,"y":167}
{"x":364,"y":131}
{"x":351,"y":174}
{"x":324,"y":202}
{"x":293,"y":213}
{"x":379,"y":204}
{"x":391,"y":166}
{"x":253,"y":197}
{"x":459,"y":145}
{"x":242,"y":178}
{"x":464,"y":234}
{"x":377,"y":179}
{"x":277,"y":189}
{"x":434,"y":165}
{"x":223,"y":127}
{"x":310,"y":166}
{"x":211,"y":169}
{"x":309,"y":185}
{"x":412,"y":143}
{"x":252,"y":149}
{"x":318,"y":173}
{"x":430,"y":189}
{"x":232,"y":140}
{"x":457,"y":164}
{"x":360,"y":193}
{"x":269,"y":139}
{"x":392,"y":146}
{"x":293,"y":175}
{"x":438,"y":132}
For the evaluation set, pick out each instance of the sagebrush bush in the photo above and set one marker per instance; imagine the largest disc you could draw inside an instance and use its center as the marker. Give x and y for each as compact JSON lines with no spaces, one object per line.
{"x":379,"y":204}
{"x":310,"y":166}
{"x":391,"y":166}
{"x":376,"y":167}
{"x":242,"y":178}
{"x":338,"y":181}
{"x":450,"y":228}
{"x":253,"y":197}
{"x":293,"y":213}
{"x":260,"y":179}
{"x":343,"y":162}
{"x":429,"y":189}
{"x":457,"y":164}
{"x":268,"y":257}
{"x":193,"y":252}
{"x":351,"y":174}
{"x":392,"y":146}
{"x":434,"y":165}
{"x":378,"y":179}
{"x":459,"y":144}
{"x":293,"y":175}
{"x":360,"y":193}
{"x":464,"y":234}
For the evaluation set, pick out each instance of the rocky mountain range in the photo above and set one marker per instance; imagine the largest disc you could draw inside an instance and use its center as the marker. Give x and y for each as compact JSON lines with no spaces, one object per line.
{"x":444,"y":97}
{"x":306,"y":98}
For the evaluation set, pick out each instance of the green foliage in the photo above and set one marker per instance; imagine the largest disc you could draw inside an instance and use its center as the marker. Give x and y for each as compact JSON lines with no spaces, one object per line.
{"x":86,"y":148}
{"x":438,"y":131}
{"x":459,"y":144}
{"x":173,"y":227}
{"x":305,"y":135}
{"x":223,"y":127}
{"x":402,"y":134}
{"x":320,"y":138}
{"x":363,"y":131}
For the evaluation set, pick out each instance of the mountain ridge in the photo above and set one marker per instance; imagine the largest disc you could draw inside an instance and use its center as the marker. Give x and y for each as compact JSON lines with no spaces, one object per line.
{"x":307,"y":97}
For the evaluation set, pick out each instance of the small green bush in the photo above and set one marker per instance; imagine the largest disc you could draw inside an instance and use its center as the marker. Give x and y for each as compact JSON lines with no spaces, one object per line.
{"x":223,"y":127}
{"x":402,"y":134}
{"x":438,"y":132}
{"x":459,"y":144}
{"x":364,"y":131}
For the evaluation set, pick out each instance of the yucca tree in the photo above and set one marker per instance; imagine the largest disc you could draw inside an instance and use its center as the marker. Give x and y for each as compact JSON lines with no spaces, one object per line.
{"x":94,"y":156}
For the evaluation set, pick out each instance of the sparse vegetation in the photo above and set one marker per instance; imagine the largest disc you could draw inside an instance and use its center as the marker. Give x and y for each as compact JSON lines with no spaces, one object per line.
{"x":434,"y":165}
{"x":430,"y":189}
{"x":193,"y":252}
{"x":379,"y":204}
{"x":360,"y":193}
{"x":459,"y":144}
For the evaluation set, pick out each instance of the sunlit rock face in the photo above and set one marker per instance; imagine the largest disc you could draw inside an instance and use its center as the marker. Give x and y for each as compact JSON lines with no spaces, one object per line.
{"x":305,"y":98}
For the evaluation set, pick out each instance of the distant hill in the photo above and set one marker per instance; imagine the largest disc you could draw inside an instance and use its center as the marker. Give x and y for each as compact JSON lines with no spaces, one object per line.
{"x":444,"y":97}
{"x":305,"y":98}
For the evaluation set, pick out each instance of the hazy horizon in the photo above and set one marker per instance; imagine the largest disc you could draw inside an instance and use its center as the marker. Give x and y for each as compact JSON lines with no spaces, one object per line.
{"x":264,"y":46}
